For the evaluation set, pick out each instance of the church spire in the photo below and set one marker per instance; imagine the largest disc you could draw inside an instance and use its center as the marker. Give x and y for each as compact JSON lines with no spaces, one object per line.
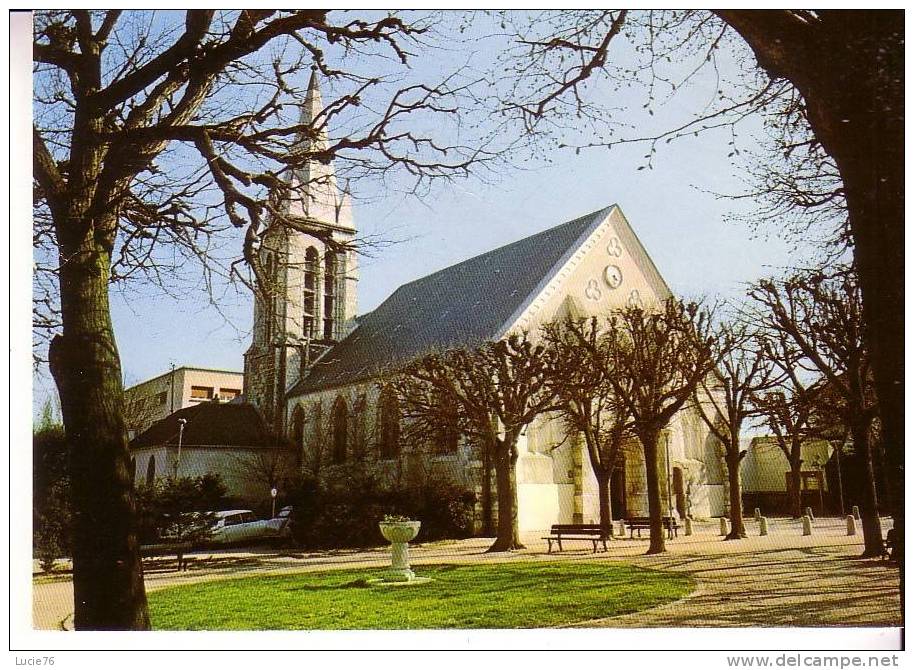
{"x":314,"y":193}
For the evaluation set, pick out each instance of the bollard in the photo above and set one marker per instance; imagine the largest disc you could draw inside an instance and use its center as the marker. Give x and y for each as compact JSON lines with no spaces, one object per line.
{"x":724,"y":529}
{"x":851,"y":525}
{"x":758,"y":514}
{"x":688,"y":526}
{"x":810,"y":514}
{"x":762,"y":525}
{"x":856,"y":512}
{"x":807,"y":525}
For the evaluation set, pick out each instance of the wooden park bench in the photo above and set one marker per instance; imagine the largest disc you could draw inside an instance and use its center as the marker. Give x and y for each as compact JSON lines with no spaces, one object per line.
{"x":177,"y":549}
{"x":638,"y":522}
{"x":576,"y":531}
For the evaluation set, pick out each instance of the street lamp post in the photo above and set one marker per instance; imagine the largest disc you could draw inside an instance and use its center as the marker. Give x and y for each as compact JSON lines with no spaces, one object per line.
{"x":181,"y":423}
{"x":820,"y":482}
{"x":273,"y":494}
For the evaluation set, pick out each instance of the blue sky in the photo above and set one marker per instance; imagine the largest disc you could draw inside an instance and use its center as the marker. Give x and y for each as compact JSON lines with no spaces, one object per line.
{"x":671,"y":207}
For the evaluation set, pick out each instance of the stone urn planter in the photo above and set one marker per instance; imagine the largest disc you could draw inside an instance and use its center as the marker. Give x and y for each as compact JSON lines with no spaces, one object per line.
{"x":399,"y":534}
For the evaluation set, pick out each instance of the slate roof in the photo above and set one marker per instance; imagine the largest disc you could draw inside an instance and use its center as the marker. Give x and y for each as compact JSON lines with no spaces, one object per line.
{"x":210,"y":423}
{"x":463,"y":305}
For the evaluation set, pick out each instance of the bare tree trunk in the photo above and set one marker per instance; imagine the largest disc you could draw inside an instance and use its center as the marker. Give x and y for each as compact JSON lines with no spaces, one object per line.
{"x":487,"y":491}
{"x":606,"y":519}
{"x":508,"y":537}
{"x":796,"y":493}
{"x":737,"y":528}
{"x":869,"y":512}
{"x":654,"y":503}
{"x":107,"y":573}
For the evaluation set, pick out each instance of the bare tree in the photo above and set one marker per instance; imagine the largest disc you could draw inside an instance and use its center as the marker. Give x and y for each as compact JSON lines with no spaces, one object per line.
{"x":787,"y":408}
{"x":266,"y":468}
{"x":724,"y":400}
{"x":495,"y":391}
{"x":154,"y":135}
{"x":315,"y":448}
{"x":821,"y":315}
{"x":658,"y":359}
{"x":140,"y":412}
{"x":841,"y":72}
{"x":579,"y":377}
{"x":793,"y":181}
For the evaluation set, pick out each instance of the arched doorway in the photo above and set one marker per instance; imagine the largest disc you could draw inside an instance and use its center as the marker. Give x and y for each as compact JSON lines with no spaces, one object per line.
{"x":617,"y":492}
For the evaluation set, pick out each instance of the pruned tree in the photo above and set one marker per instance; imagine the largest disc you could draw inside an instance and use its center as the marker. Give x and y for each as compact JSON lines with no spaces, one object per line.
{"x":154,"y":135}
{"x":658,"y":359}
{"x":788,"y":407}
{"x":494,"y":391}
{"x":839,"y":72}
{"x":579,"y":377}
{"x":821,"y":315}
{"x":725,"y":399}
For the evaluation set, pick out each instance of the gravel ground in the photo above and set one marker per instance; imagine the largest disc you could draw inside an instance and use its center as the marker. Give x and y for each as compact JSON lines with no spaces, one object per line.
{"x":782,"y":579}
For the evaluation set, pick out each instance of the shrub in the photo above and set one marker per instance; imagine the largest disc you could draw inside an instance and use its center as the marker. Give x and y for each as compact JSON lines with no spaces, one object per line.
{"x":303,"y":494}
{"x":50,"y":496}
{"x":344,"y":508}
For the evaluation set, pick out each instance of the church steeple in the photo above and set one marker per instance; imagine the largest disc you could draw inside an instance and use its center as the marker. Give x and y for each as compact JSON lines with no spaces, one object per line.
{"x":315,"y":193}
{"x":312,"y":299}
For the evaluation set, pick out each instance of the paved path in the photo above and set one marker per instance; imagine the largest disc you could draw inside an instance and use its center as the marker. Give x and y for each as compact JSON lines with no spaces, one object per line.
{"x":783,"y":579}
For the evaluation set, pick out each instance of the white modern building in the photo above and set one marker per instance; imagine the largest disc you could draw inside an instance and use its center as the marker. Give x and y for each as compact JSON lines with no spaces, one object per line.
{"x":185,"y":386}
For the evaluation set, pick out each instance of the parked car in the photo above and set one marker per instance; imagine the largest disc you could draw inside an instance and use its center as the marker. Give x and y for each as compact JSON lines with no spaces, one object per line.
{"x":281,"y":522}
{"x":237,"y":526}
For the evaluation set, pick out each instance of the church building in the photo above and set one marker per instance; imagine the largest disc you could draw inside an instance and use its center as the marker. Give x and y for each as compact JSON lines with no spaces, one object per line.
{"x":314,"y":368}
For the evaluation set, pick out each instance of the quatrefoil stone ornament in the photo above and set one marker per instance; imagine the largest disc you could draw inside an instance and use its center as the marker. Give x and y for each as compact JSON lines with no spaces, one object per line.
{"x":593,"y":292}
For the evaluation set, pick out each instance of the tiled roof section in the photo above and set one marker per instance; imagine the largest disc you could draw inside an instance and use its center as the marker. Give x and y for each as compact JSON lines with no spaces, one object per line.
{"x":462,"y":305}
{"x":210,"y":423}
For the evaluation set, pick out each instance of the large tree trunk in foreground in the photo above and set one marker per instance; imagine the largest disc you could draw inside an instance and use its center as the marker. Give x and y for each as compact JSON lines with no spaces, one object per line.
{"x":851,"y":74}
{"x":107,"y":572}
{"x":508,"y":537}
{"x":654,"y":503}
{"x":869,"y":512}
{"x":737,"y":528}
{"x":873,"y":176}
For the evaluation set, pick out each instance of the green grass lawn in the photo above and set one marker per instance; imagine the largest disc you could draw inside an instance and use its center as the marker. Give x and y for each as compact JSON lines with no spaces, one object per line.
{"x":497,"y":595}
